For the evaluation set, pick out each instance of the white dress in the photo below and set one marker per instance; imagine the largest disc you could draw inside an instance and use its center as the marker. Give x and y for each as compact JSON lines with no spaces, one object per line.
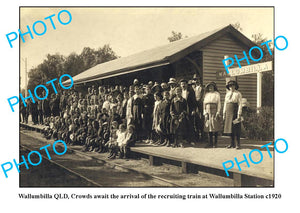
{"x":212,"y":107}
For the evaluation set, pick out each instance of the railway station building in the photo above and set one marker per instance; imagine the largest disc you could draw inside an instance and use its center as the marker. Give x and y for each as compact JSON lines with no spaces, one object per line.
{"x":201,"y":55}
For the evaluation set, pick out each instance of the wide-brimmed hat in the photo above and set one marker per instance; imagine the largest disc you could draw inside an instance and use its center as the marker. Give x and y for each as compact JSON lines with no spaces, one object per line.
{"x":245,"y":103}
{"x":183,"y":80}
{"x":230,"y":83}
{"x":213,"y":84}
{"x":156,"y":87}
{"x":172,"y":81}
{"x":164,"y":85}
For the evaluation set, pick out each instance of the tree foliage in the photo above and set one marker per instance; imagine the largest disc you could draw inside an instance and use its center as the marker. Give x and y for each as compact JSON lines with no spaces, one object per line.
{"x":175,"y":36}
{"x":56,"y":65}
{"x":237,"y":26}
{"x":267,"y":77}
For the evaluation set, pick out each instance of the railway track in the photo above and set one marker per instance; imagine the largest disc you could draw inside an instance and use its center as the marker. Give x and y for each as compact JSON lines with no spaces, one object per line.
{"x":70,"y":171}
{"x":86,"y":169}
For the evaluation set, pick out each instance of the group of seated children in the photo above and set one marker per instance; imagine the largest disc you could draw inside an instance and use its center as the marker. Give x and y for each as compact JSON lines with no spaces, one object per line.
{"x":120,"y":141}
{"x":92,"y":135}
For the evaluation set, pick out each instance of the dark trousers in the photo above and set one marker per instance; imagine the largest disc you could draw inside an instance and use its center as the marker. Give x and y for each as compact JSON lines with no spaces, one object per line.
{"x":211,"y":141}
{"x":40,"y":117}
{"x":236,"y":133}
{"x":25,"y":117}
{"x":34,"y":116}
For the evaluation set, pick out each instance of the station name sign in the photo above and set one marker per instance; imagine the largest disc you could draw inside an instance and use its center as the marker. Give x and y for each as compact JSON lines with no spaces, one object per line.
{"x":250,"y":69}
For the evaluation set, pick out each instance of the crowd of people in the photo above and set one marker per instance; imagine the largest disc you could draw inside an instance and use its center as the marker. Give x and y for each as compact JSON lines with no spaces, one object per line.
{"x":113,"y":118}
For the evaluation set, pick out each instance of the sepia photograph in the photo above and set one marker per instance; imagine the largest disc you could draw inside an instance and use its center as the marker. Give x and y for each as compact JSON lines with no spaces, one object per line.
{"x":146,"y":96}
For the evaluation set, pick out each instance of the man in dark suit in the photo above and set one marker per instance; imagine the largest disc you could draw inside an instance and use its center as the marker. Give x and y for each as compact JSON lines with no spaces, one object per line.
{"x":147,"y":110}
{"x":189,"y":95}
{"x":46,"y":106}
{"x":199,"y":119}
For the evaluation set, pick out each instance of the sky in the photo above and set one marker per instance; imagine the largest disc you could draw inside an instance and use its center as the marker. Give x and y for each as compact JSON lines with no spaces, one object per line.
{"x":129,"y":30}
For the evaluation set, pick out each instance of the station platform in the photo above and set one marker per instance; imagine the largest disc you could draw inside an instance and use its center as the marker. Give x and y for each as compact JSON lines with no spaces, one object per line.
{"x":196,"y":158}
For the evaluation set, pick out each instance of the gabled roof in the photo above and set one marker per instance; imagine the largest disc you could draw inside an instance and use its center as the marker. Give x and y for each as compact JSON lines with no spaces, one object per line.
{"x":158,"y":56}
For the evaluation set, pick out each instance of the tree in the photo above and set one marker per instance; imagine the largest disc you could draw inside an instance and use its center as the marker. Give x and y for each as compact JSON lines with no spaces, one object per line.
{"x":258,"y":39}
{"x":35,"y":78}
{"x":237,"y":26}
{"x":92,"y":57}
{"x":88,"y":56}
{"x":175,"y":36}
{"x":73,"y":64}
{"x":56,"y":65}
{"x":267,"y":77}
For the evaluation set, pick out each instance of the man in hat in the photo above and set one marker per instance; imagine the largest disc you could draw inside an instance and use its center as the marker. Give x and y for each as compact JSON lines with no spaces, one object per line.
{"x":199,"y":119}
{"x":156,"y":88}
{"x":164,"y":86}
{"x":63,"y":102}
{"x":191,"y":84}
{"x":40,"y":113}
{"x":23,"y":111}
{"x":137,"y":111}
{"x":46,"y":106}
{"x":148,"y":105}
{"x":150,"y":84}
{"x":178,"y":125}
{"x":123,"y":105}
{"x":189,"y":95}
{"x":165,"y":118}
{"x":172,"y":83}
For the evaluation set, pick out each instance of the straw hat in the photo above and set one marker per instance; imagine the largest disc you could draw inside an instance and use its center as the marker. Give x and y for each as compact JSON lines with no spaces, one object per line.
{"x":213,"y":84}
{"x":172,"y":81}
{"x":230,"y":83}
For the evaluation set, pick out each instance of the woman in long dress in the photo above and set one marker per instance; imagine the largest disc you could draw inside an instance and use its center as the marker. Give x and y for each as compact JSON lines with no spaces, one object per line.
{"x":232,"y":112}
{"x":211,"y":112}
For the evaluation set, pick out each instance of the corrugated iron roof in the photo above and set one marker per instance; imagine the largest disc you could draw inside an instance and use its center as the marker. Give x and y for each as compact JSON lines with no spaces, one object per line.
{"x":156,"y":56}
